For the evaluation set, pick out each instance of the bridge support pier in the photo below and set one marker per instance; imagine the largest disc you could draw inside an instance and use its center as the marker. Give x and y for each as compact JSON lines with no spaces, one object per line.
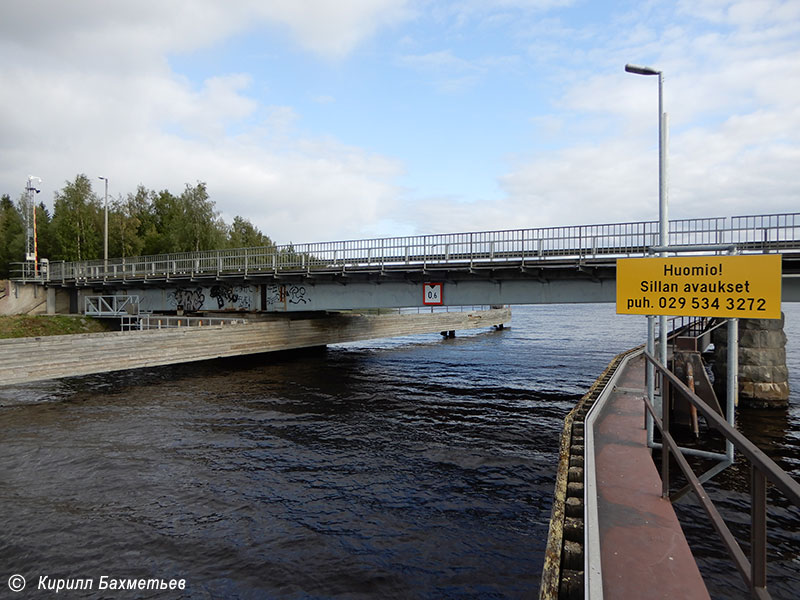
{"x":51,"y":301}
{"x":763,"y":374}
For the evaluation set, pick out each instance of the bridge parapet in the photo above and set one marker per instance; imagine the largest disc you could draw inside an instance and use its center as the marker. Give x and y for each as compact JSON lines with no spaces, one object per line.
{"x":471,"y":250}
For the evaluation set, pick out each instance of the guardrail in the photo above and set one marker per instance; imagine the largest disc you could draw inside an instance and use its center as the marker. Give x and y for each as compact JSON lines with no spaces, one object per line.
{"x":142,"y":322}
{"x":753,"y":233}
{"x":763,"y":469}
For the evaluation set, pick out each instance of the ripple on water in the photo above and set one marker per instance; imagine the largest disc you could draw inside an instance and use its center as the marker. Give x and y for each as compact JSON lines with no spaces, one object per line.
{"x":416,"y":467}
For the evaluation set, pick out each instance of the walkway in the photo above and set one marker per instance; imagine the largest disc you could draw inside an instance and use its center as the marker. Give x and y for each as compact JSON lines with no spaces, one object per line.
{"x":643,"y":550}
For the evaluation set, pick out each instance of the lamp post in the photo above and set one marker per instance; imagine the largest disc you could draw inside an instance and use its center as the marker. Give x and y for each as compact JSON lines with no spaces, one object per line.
{"x":662,"y":152}
{"x":663,"y":221}
{"x":663,"y":231}
{"x":105,"y":229}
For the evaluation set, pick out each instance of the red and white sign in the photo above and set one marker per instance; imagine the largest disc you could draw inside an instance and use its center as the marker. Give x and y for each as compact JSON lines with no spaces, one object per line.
{"x":432,"y":294}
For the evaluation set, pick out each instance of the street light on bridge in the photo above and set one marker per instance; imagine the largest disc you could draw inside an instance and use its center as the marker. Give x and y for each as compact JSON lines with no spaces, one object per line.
{"x":105,"y":230}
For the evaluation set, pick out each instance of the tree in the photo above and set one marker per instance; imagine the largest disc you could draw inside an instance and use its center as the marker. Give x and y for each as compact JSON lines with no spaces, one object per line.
{"x":12,"y":236}
{"x":200,"y":227}
{"x":78,"y":222}
{"x":162,"y":222}
{"x":144,"y":222}
{"x":44,"y":234}
{"x":243,"y":234}
{"x":123,"y":229}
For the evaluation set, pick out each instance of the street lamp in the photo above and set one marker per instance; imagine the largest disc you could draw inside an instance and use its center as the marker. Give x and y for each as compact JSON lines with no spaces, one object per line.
{"x":663,"y":231}
{"x":105,"y":229}
{"x":663,"y":225}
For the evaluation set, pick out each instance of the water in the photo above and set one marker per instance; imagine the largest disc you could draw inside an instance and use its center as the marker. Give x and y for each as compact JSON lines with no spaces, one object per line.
{"x":415,"y":467}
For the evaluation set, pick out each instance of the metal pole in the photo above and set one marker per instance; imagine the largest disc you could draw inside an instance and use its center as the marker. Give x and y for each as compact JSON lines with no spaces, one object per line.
{"x":650,"y":377}
{"x":105,"y":232}
{"x":663,"y":219}
{"x":663,"y":212}
{"x":732,"y":392}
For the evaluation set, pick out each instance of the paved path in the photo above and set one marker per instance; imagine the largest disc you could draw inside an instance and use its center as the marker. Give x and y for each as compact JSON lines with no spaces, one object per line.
{"x":644,"y":552}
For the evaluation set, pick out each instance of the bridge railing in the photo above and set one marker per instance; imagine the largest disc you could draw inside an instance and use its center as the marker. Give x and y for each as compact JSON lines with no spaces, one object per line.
{"x":755,"y":233}
{"x":765,"y":232}
{"x":753,"y":570}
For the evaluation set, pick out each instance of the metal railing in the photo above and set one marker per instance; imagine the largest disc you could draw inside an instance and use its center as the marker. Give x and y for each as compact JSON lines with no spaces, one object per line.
{"x":755,"y":233}
{"x":763,"y":469}
{"x":142,"y":322}
{"x":110,"y":306}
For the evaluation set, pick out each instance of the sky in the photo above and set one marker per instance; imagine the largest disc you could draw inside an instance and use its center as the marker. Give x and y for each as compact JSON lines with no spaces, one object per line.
{"x":320,"y":120}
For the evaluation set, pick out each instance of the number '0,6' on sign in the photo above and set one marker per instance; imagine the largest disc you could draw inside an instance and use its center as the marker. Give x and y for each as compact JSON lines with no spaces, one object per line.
{"x":432,"y":294}
{"x":713,"y":286}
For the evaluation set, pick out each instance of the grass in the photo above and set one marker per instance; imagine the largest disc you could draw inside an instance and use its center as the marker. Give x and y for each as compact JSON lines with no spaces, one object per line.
{"x":17,"y":326}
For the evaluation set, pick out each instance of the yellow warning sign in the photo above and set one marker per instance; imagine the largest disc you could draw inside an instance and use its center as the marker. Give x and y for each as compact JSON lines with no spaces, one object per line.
{"x":703,"y":286}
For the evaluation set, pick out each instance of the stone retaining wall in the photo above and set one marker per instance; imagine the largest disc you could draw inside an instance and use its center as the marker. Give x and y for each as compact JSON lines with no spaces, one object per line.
{"x":32,"y":359}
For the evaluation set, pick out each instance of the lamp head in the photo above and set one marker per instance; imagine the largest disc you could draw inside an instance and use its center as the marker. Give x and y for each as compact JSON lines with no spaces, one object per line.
{"x":638,"y":70}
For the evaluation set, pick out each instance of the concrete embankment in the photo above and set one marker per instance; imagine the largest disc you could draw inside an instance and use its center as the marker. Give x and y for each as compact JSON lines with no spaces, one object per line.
{"x":563,"y":570}
{"x":18,"y":299}
{"x":32,"y":359}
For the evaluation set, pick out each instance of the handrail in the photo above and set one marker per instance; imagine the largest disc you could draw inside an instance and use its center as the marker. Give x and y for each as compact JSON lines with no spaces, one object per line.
{"x":763,"y":469}
{"x":755,"y":233}
{"x":150,"y":321}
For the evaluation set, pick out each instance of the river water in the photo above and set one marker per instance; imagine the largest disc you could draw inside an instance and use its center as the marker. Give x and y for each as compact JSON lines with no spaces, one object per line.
{"x":416,"y":467}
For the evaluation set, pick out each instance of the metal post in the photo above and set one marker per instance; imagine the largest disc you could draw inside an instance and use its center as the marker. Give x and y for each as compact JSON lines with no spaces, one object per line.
{"x":758,"y":529}
{"x":662,"y":205}
{"x":663,"y":219}
{"x":105,"y":230}
{"x":664,"y":445}
{"x":650,"y":376}
{"x":732,"y":382}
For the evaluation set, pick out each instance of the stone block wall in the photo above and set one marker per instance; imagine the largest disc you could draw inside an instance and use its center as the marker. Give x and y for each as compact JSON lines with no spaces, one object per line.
{"x":763,"y":375}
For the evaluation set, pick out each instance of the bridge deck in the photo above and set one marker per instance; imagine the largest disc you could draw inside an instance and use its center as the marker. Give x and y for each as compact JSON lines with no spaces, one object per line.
{"x":643,"y":550}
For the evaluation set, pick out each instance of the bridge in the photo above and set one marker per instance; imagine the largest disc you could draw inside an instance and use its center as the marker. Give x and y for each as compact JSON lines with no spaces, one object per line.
{"x":519,"y":266}
{"x":613,"y":485}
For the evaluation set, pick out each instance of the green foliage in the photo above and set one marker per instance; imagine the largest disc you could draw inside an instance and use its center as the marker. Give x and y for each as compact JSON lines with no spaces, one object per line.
{"x":243,"y":234}
{"x":44,"y":234}
{"x":12,"y":236}
{"x":18,"y":326}
{"x":77,"y":222}
{"x":141,"y":223}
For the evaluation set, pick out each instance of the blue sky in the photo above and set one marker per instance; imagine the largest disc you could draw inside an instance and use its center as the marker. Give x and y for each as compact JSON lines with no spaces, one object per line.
{"x":319,"y":120}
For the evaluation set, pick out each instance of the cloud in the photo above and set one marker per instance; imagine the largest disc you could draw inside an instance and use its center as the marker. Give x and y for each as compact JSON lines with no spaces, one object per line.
{"x":732,"y":71}
{"x":334,"y":29}
{"x":88,"y":89}
{"x":451,"y":73}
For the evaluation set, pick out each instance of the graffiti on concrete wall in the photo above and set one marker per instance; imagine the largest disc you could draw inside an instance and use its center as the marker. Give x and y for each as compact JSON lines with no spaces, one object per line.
{"x":297,"y":294}
{"x":232,"y":297}
{"x":187,"y":299}
{"x":222,"y":296}
{"x":278,"y":297}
